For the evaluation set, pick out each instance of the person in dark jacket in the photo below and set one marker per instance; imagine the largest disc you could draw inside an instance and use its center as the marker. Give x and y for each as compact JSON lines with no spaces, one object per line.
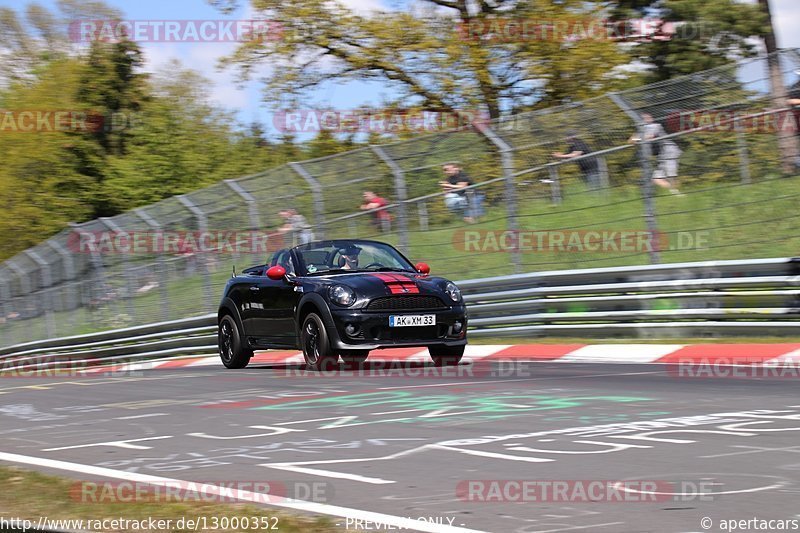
{"x":458,"y":196}
{"x":576,"y":147}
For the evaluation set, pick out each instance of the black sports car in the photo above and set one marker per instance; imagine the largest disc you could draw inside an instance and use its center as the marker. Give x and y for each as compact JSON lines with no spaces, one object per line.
{"x":340,"y":298}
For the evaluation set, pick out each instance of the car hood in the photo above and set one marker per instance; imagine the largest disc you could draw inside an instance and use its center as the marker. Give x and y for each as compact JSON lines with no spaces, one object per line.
{"x":388,"y":283}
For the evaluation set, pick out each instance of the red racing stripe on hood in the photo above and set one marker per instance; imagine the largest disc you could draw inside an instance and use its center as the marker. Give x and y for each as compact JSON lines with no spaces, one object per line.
{"x":397,"y":284}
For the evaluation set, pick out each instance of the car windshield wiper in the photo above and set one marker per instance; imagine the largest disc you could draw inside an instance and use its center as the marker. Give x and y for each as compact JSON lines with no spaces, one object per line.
{"x":390,"y":269}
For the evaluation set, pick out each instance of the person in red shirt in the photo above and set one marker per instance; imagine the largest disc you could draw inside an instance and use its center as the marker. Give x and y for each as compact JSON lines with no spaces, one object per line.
{"x":382,"y":219}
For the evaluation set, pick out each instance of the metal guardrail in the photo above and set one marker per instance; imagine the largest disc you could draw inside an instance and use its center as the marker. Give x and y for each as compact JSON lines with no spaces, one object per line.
{"x":703,"y":299}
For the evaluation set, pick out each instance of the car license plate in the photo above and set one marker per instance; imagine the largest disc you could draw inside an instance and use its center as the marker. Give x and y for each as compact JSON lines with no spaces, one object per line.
{"x":397,"y":321}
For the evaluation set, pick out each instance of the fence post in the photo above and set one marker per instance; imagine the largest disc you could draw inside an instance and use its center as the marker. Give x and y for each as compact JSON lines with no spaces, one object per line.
{"x":5,"y":303}
{"x":70,"y":282}
{"x":507,"y":163}
{"x":252,"y":205}
{"x":605,"y":179}
{"x":47,"y":283}
{"x":316,"y":191}
{"x":126,"y":265}
{"x":401,"y":194}
{"x":97,"y":277}
{"x":555,"y":184}
{"x":253,"y":215}
{"x":202,"y":226}
{"x":422,"y":210}
{"x":645,"y":155}
{"x":744,"y":156}
{"x":161,"y":268}
{"x":25,"y":284}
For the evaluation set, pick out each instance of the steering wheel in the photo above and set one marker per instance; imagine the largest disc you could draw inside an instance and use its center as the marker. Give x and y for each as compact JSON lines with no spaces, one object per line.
{"x":374,"y":264}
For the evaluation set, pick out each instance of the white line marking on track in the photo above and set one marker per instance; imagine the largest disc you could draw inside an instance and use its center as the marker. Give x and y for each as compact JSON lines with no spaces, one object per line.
{"x":134,"y":417}
{"x":400,"y":411}
{"x":116,"y":443}
{"x":275,"y":431}
{"x":293,"y":466}
{"x":492,"y":455}
{"x":343,"y":419}
{"x":246,"y":496}
{"x":340,"y":475}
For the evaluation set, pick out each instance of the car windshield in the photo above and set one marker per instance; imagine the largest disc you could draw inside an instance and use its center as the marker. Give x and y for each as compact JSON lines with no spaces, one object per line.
{"x":342,"y":256}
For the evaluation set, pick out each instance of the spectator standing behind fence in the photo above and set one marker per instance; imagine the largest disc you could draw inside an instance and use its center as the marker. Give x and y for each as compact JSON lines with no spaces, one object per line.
{"x":666,"y":172}
{"x":577,"y":147}
{"x":383,"y":218}
{"x":296,"y":225}
{"x":455,"y":186}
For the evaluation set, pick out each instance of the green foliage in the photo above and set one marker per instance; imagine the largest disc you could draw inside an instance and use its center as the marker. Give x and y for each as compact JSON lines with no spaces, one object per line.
{"x":145,"y":137}
{"x":160,"y":136}
{"x":710,"y":33}
{"x":428,"y":56}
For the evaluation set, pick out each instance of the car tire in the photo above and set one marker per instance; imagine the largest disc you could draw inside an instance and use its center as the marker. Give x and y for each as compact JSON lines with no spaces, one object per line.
{"x":316,"y":344}
{"x":354,"y":357}
{"x":446,"y":355}
{"x":232,"y":349}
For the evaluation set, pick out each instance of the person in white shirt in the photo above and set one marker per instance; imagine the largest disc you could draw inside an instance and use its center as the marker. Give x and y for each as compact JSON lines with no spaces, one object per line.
{"x":666,"y":172}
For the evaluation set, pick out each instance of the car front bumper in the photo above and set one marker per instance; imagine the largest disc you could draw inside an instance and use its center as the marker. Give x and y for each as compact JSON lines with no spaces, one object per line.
{"x":372,"y":329}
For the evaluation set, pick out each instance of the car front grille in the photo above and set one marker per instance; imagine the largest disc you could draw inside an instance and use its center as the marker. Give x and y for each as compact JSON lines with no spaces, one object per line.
{"x":406,"y":303}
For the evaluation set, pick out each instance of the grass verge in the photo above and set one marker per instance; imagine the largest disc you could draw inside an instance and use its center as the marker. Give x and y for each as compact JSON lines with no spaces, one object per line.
{"x":31,"y":495}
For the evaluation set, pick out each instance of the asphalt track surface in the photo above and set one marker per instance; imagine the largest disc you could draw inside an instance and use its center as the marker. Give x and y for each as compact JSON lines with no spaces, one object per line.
{"x":408,"y":444}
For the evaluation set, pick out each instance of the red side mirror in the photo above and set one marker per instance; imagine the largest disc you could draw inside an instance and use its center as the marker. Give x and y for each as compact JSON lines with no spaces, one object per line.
{"x":277,"y":272}
{"x":423,"y":268}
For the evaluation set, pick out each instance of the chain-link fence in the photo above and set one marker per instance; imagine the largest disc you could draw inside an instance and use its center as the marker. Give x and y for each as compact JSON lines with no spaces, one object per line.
{"x":531,"y":207}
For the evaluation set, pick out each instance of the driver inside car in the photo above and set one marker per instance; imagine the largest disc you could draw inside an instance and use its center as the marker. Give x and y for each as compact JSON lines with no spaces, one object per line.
{"x":349,"y":257}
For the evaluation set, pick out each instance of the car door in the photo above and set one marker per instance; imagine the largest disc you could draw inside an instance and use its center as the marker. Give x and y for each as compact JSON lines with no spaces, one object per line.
{"x":245,"y":296}
{"x":274,"y":302}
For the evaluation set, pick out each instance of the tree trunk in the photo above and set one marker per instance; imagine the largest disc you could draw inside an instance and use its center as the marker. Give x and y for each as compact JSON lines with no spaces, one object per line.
{"x":787,"y":141}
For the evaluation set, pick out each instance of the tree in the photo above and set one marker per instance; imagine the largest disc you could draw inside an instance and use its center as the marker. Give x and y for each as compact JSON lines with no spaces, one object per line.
{"x":787,"y":140}
{"x":708,"y":33}
{"x":431,"y":56}
{"x":153,"y":137}
{"x":326,"y":143}
{"x":42,"y":187}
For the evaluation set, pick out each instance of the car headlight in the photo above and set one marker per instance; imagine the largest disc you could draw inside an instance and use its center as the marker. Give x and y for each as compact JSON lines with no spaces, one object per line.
{"x":342,"y":295}
{"x":452,"y":291}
